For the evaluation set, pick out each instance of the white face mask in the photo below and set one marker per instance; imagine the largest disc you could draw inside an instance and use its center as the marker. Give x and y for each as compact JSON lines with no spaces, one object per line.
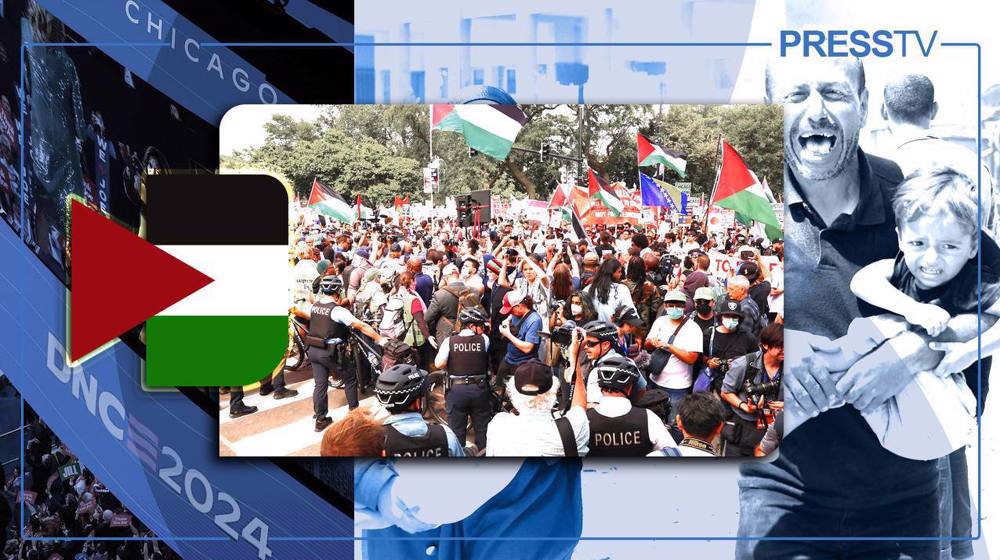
{"x":576,"y":309}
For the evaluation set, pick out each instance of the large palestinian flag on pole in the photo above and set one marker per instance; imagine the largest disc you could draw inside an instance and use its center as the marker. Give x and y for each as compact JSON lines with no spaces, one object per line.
{"x":234,"y":230}
{"x":326,"y":202}
{"x":739,"y":190}
{"x":651,"y":154}
{"x":488,"y":129}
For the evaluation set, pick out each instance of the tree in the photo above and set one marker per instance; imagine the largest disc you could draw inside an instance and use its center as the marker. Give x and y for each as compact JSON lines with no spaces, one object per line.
{"x":379,"y":150}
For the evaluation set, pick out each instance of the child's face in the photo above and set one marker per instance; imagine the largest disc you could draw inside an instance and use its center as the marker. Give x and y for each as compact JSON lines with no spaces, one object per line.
{"x":935,"y":248}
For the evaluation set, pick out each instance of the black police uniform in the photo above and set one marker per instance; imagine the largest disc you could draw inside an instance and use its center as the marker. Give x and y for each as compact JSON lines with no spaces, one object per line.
{"x":624,"y":436}
{"x":432,"y":444}
{"x":468,"y":364}
{"x":267,"y":386}
{"x":323,"y":359}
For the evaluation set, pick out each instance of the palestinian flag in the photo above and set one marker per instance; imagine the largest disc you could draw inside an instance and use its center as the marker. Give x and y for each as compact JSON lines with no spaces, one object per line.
{"x":237,"y":235}
{"x":331,"y":204}
{"x":488,"y":129}
{"x":651,"y":154}
{"x":576,"y":231}
{"x":601,"y":190}
{"x":738,"y":189}
{"x":560,"y":196}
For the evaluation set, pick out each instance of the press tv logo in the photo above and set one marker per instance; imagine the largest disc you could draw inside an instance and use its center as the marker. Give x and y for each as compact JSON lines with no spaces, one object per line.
{"x":210,"y":280}
{"x":860,"y":43}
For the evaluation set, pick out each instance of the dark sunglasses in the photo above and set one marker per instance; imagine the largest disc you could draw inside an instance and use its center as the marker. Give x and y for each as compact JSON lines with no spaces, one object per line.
{"x":592,"y":343}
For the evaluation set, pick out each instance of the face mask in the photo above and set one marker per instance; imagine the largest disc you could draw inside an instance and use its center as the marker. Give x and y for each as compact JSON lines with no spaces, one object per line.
{"x":730,"y":324}
{"x":675,"y":312}
{"x":576,"y":309}
{"x":703,"y":307}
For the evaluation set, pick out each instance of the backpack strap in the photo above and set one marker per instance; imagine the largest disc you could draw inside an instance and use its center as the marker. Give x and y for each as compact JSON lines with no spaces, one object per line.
{"x":567,"y":437}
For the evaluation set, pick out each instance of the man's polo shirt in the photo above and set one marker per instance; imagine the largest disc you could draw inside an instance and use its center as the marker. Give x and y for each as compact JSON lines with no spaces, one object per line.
{"x":835,"y":459}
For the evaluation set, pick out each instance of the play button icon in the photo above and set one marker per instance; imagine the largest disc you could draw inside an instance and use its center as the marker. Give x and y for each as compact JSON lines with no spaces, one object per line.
{"x":118,"y":280}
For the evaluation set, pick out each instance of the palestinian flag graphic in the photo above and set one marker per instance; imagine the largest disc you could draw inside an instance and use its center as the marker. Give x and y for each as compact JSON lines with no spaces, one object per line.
{"x":326,"y":202}
{"x":234,"y":230}
{"x":488,"y":129}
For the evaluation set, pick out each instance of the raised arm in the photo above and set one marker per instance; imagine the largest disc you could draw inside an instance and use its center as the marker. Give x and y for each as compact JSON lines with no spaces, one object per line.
{"x":871,"y":284}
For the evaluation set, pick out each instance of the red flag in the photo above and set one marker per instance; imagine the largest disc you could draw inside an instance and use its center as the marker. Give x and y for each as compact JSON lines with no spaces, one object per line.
{"x":733,"y":174}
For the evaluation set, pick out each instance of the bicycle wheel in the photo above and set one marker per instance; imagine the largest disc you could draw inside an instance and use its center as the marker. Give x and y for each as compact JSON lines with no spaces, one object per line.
{"x":295,"y":357}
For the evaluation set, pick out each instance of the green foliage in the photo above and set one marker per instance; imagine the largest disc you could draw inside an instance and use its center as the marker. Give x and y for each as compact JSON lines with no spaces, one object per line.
{"x":379,"y":150}
{"x":755,"y":131}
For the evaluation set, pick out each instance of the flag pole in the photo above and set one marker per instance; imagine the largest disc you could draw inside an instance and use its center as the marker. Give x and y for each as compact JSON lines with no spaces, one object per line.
{"x":718,"y":173}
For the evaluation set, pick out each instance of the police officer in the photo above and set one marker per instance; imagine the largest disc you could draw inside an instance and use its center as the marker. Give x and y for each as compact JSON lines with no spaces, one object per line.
{"x":401,"y":390}
{"x":465,"y":356}
{"x":330,"y":325}
{"x":598,"y":339}
{"x":617,"y":428}
{"x":238,"y":408}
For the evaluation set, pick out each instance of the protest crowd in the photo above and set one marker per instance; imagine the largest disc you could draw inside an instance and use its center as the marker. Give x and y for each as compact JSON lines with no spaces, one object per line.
{"x":523,"y":338}
{"x":63,"y":500}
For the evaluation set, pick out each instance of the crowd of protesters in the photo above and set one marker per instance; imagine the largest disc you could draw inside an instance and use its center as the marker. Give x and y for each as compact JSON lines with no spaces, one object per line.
{"x":63,"y":500}
{"x":546,"y":343}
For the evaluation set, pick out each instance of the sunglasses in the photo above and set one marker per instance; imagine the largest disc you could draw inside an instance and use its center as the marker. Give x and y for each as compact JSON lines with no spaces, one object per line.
{"x":592,"y":343}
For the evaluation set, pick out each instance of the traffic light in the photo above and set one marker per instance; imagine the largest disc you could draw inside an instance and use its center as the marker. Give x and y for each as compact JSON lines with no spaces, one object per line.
{"x":545,"y":152}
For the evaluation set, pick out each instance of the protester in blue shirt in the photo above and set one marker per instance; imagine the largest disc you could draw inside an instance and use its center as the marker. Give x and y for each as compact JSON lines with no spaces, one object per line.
{"x":521,"y":332}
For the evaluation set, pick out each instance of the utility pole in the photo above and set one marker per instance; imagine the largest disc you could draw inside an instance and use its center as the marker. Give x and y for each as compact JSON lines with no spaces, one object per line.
{"x":579,"y":123}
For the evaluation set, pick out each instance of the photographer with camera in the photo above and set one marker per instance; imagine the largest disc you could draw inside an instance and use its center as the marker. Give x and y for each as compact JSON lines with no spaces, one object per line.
{"x":725,"y":342}
{"x":752,"y":388}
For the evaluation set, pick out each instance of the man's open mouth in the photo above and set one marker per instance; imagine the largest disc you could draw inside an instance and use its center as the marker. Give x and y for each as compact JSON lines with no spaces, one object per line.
{"x":817,"y":143}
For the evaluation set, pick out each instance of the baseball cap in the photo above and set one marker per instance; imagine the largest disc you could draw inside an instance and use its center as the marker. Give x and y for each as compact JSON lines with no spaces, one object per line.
{"x":511,"y":299}
{"x":704,"y":293}
{"x":532,"y":373}
{"x":750,"y":270}
{"x":730,"y":307}
{"x":322,"y":265}
{"x":449,"y":270}
{"x":590,"y":258}
{"x":676,"y":296}
{"x":628,"y":315}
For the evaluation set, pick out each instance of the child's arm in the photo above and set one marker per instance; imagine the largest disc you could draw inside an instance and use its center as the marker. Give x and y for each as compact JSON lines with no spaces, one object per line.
{"x":871,"y":284}
{"x":960,"y":355}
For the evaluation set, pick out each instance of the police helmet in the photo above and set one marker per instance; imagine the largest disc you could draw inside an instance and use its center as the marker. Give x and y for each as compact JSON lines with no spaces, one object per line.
{"x":616,"y":373}
{"x":330,"y":285}
{"x":601,"y":330}
{"x":473,"y":316}
{"x":400,"y":385}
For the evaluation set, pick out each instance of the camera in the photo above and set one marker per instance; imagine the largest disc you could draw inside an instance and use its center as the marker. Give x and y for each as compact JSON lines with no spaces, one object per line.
{"x":769,"y":390}
{"x":723,"y":366}
{"x":563,"y":335}
{"x":746,"y":255}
